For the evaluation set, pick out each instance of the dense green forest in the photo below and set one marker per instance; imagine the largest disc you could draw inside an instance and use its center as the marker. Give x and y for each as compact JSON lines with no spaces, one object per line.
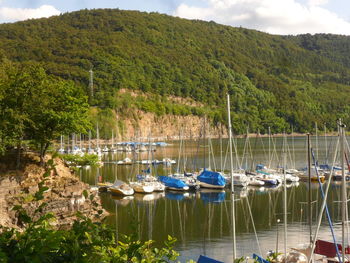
{"x":276,"y":81}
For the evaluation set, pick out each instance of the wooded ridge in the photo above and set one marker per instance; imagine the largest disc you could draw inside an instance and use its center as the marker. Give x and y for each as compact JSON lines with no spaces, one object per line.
{"x":275,"y":81}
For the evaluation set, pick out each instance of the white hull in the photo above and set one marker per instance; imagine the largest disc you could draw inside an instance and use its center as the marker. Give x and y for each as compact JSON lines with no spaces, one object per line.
{"x":121,"y":190}
{"x":142,"y":188}
{"x":186,"y":188}
{"x":211,"y":186}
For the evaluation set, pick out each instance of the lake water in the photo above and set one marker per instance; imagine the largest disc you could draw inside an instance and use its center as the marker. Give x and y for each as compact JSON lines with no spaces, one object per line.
{"x":201,"y":221}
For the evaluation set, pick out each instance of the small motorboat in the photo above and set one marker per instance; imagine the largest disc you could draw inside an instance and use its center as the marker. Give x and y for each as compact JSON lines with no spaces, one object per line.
{"x":121,"y":188}
{"x":142,"y":187}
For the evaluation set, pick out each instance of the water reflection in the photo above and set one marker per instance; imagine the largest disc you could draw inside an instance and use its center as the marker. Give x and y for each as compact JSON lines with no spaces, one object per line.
{"x":210,"y":196}
{"x":201,"y":221}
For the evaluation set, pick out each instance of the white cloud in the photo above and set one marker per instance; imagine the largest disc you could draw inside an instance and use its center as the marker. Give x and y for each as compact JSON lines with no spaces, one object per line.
{"x":272,"y":16}
{"x":8,"y":14}
{"x":317,"y":2}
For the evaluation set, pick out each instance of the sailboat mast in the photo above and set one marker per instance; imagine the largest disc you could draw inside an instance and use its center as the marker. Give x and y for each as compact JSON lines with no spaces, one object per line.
{"x":204,"y":135}
{"x":232,"y":185}
{"x":269,"y":162}
{"x":316,"y":129}
{"x":344,"y":201}
{"x":285,"y":194}
{"x":309,"y":174}
{"x":325,"y":143}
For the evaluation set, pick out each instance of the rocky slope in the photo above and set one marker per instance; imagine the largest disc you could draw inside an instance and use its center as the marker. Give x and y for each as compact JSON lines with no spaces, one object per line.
{"x":65,"y":197}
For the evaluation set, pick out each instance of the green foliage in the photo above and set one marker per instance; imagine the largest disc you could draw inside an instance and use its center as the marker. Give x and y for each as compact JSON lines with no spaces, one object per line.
{"x":38,"y":107}
{"x":275,"y":81}
{"x":86,"y":241}
{"x":273,"y":257}
{"x":77,"y":160}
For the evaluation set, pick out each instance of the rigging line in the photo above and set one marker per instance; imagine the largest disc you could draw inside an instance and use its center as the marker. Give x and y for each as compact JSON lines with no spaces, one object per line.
{"x":244,"y":153}
{"x":211,"y":149}
{"x":324,"y":207}
{"x":253,"y":224}
{"x":235,"y":148}
{"x":255,"y":146}
{"x":263,"y":146}
{"x":226,"y":154}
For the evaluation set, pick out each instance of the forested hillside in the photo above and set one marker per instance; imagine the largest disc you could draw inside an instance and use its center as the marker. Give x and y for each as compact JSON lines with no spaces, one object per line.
{"x":276,"y":81}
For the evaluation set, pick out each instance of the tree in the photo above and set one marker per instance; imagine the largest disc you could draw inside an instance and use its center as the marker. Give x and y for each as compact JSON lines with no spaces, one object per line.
{"x":34,"y":105}
{"x":17,"y":83}
{"x":57,"y":107}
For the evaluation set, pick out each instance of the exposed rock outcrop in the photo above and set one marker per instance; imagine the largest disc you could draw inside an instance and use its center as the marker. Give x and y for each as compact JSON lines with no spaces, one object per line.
{"x":66,"y":194}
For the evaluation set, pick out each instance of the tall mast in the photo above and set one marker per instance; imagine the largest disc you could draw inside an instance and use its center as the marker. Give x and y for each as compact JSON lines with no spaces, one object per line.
{"x":343,"y":196}
{"x":309,"y":174}
{"x":232,"y":186}
{"x":269,"y":162}
{"x":204,"y":139}
{"x":285,"y":194}
{"x":325,"y":143}
{"x":316,"y":129}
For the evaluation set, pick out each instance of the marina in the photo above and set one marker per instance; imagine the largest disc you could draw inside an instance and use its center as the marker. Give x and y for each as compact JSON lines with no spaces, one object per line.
{"x":201,"y":220}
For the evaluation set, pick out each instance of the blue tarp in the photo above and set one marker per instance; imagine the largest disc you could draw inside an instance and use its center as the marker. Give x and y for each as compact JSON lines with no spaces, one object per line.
{"x":259,"y":259}
{"x":204,"y":259}
{"x":213,"y":178}
{"x":172,"y":182}
{"x":213,"y":197}
{"x":260,"y":166}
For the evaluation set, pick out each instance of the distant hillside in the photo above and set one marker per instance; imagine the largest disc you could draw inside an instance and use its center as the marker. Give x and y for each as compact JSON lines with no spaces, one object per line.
{"x":277,"y":81}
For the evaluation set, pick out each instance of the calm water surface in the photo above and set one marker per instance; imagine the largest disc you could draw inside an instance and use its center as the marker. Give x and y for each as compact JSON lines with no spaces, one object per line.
{"x":201,"y":221}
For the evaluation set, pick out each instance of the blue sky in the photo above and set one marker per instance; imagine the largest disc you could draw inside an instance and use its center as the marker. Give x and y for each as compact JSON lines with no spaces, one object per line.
{"x":272,"y":16}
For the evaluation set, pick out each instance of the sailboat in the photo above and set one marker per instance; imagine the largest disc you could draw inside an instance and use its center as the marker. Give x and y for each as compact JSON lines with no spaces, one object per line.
{"x":187,"y":178}
{"x":98,"y":149}
{"x":208,"y":178}
{"x":140,"y":185}
{"x":173,"y":183}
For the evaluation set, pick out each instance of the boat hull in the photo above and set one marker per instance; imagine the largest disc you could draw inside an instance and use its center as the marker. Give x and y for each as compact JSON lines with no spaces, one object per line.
{"x":211,"y":186}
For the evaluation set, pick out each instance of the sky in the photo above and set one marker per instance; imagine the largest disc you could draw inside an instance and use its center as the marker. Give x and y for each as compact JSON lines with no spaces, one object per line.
{"x":281,"y":17}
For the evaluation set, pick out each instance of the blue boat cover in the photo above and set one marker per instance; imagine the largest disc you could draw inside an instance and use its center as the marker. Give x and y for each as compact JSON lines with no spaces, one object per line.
{"x":260,"y":166}
{"x":259,"y":259}
{"x":172,"y":182}
{"x":213,"y":178}
{"x":213,"y":197}
{"x":325,"y":166}
{"x":204,"y":259}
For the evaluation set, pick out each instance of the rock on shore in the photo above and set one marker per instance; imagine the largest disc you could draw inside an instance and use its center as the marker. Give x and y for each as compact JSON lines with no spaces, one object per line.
{"x":65,"y":197}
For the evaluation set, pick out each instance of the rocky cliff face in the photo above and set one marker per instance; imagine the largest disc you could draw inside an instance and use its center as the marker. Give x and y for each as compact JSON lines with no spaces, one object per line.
{"x":66,"y":195}
{"x":166,"y":127}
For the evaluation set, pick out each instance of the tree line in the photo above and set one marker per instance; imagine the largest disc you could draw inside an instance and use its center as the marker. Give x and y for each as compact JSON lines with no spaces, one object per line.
{"x":274,"y":81}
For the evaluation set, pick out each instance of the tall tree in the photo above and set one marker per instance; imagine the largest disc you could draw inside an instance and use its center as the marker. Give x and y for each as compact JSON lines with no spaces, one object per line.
{"x":36,"y":106}
{"x":57,"y":107}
